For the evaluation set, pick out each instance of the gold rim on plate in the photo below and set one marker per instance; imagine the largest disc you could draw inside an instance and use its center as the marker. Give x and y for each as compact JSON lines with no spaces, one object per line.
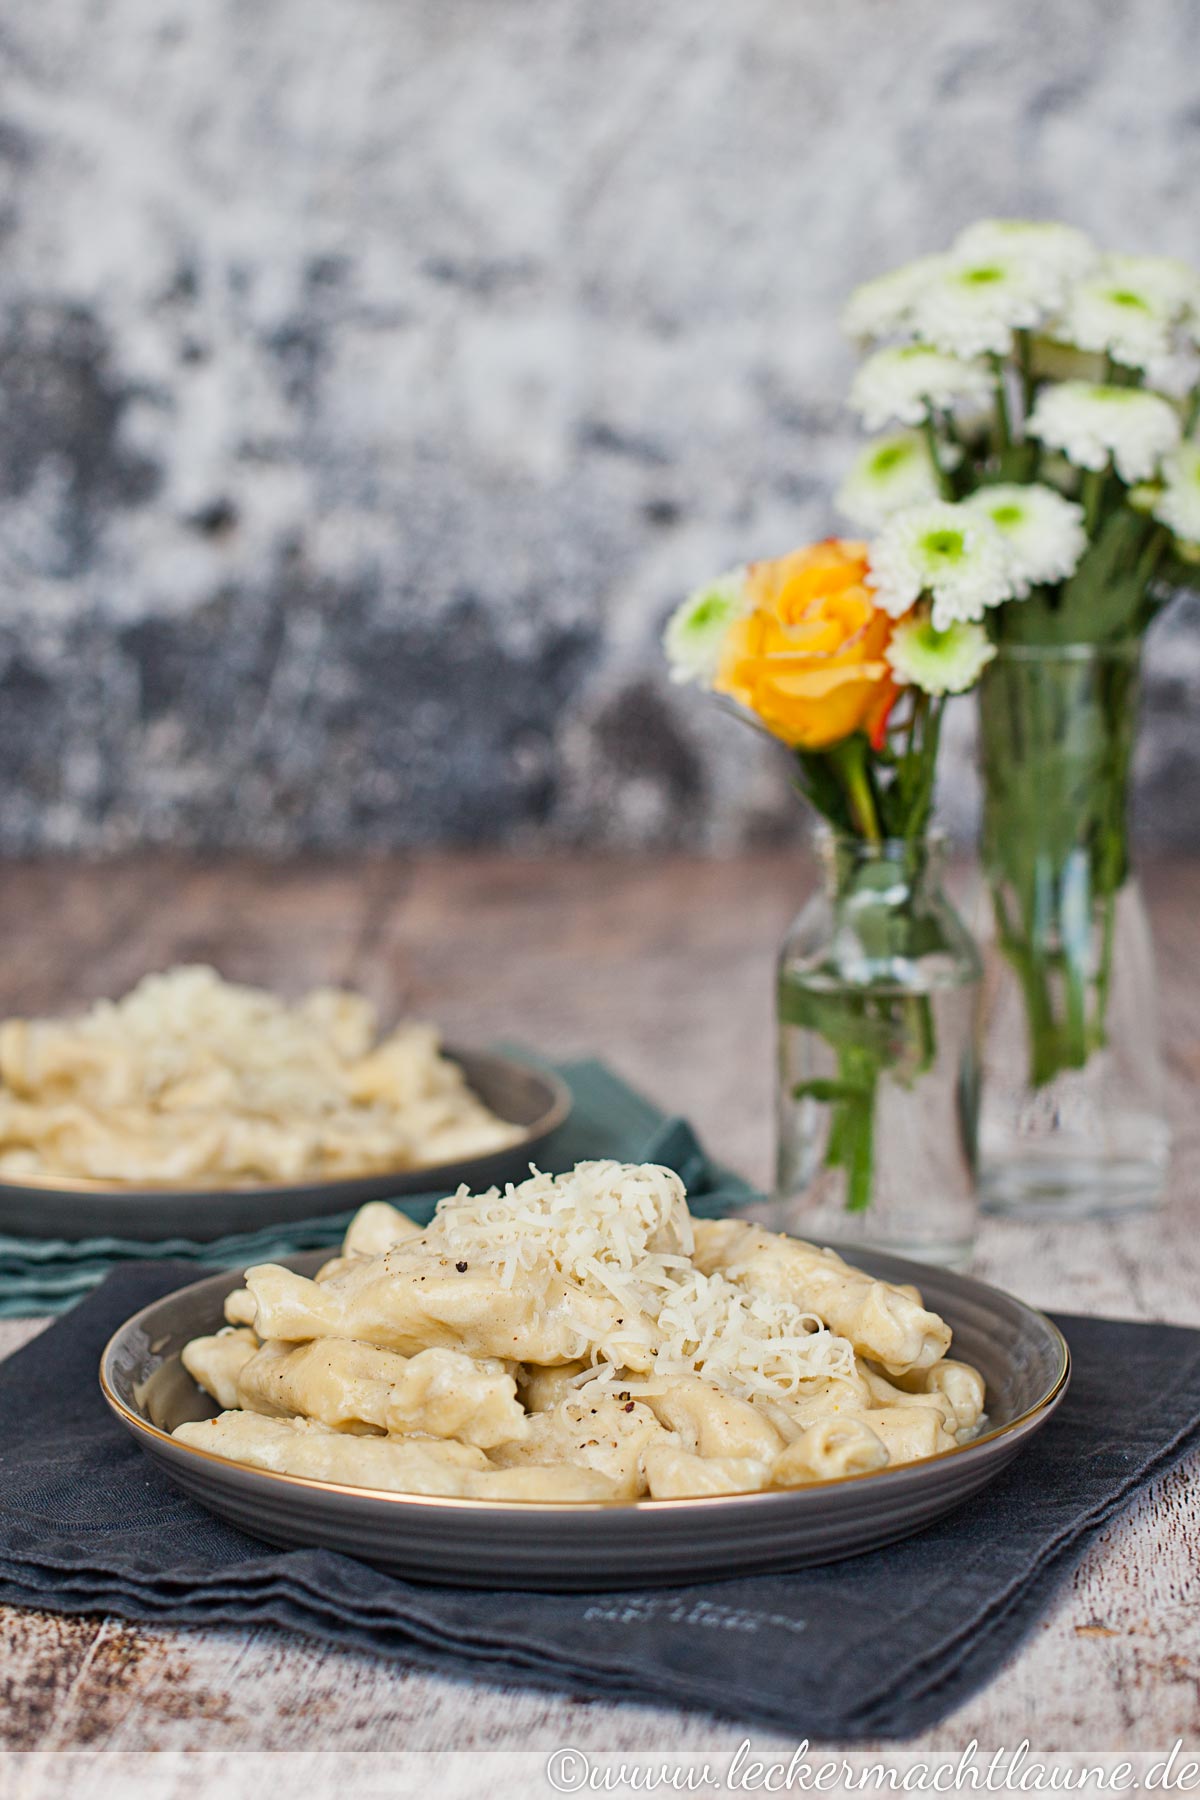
{"x":144,"y":1428}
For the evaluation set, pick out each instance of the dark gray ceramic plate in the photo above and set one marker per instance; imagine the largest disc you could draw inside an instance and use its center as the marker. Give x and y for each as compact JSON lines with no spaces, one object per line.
{"x":533,"y":1098}
{"x":560,"y":1547}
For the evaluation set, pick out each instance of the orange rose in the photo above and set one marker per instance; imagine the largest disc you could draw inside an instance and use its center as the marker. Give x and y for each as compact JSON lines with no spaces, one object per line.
{"x":808,"y":658}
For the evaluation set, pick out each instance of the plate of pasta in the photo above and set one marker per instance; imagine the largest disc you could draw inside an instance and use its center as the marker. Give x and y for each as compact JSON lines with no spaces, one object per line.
{"x":571,"y":1382}
{"x":196,"y":1107}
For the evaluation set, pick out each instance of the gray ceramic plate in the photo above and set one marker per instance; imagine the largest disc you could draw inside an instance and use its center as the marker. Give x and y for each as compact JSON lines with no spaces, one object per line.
{"x":649,"y":1543}
{"x":536,"y":1099}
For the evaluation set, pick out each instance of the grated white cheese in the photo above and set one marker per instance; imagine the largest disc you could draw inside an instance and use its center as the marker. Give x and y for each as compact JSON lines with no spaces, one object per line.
{"x":621,"y":1234}
{"x":627,"y":1220}
{"x":746,"y":1343}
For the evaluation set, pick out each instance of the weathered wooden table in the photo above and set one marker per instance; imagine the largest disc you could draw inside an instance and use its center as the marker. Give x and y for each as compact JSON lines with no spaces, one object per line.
{"x":665,"y":969}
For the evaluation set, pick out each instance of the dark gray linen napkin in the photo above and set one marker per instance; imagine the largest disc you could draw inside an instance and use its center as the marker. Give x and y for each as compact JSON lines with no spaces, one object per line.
{"x":878,"y":1646}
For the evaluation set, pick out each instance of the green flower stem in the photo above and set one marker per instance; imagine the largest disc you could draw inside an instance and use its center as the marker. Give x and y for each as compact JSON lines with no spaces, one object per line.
{"x":1099,"y":1036}
{"x":849,"y":760}
{"x":1057,"y":738}
{"x":872,"y":1032}
{"x":920,"y":779}
{"x":1158,"y":542}
{"x":1062,"y":1032}
{"x":948,"y":426}
{"x":1093,"y":495}
{"x":871,"y":1036}
{"x":916,"y":713}
{"x":945,"y":484}
{"x":1054,"y":1043}
{"x":1025,"y":369}
{"x":1003,"y":420}
{"x":851,"y":1141}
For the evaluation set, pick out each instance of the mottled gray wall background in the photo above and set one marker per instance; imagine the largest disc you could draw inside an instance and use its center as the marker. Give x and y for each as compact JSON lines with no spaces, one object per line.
{"x":375,"y":374}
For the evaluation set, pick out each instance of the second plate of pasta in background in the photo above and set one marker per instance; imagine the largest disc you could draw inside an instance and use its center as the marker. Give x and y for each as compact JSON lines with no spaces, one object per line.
{"x":196,"y":1108}
{"x":748,"y":1402}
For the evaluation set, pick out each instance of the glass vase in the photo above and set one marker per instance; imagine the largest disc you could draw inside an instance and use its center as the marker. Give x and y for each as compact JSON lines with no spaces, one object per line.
{"x":1072,"y":1122}
{"x":878,"y":988}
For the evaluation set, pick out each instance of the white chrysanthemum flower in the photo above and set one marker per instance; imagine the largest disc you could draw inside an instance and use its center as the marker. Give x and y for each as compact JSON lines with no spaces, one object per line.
{"x":1044,"y":533}
{"x":696,"y":630}
{"x":1092,"y":424}
{"x":1059,"y":251}
{"x":1175,"y":374}
{"x":954,"y":554}
{"x":1172,"y":284}
{"x":1127,"y":320}
{"x":909,"y":381}
{"x":1178,"y":506}
{"x":939,"y":662}
{"x":975,"y":305}
{"x":880,"y":307}
{"x":887,"y":474}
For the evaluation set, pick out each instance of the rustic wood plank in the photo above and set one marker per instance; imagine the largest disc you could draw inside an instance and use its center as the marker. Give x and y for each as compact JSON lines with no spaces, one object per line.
{"x":665,"y":968}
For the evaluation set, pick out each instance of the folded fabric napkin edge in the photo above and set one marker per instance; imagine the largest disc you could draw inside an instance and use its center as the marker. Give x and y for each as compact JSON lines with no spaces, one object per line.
{"x":1043,"y":1580}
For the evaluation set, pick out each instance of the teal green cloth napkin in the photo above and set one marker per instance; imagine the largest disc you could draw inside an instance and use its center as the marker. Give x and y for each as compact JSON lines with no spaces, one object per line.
{"x":608,"y":1118}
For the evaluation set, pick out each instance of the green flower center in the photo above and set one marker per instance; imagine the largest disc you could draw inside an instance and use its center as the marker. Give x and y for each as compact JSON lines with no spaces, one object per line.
{"x":1125,"y":297}
{"x":984,"y":276}
{"x":890,"y":458}
{"x":708,"y":612}
{"x":1008,"y":514}
{"x":945,"y":545}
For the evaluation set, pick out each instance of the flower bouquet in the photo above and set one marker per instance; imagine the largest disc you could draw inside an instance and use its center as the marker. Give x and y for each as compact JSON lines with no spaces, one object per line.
{"x":1045,"y":480}
{"x":878,"y":978}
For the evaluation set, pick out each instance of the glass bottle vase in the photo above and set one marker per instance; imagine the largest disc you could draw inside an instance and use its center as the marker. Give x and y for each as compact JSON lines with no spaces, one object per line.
{"x":877,"y":1000}
{"x":1072,"y":1122}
